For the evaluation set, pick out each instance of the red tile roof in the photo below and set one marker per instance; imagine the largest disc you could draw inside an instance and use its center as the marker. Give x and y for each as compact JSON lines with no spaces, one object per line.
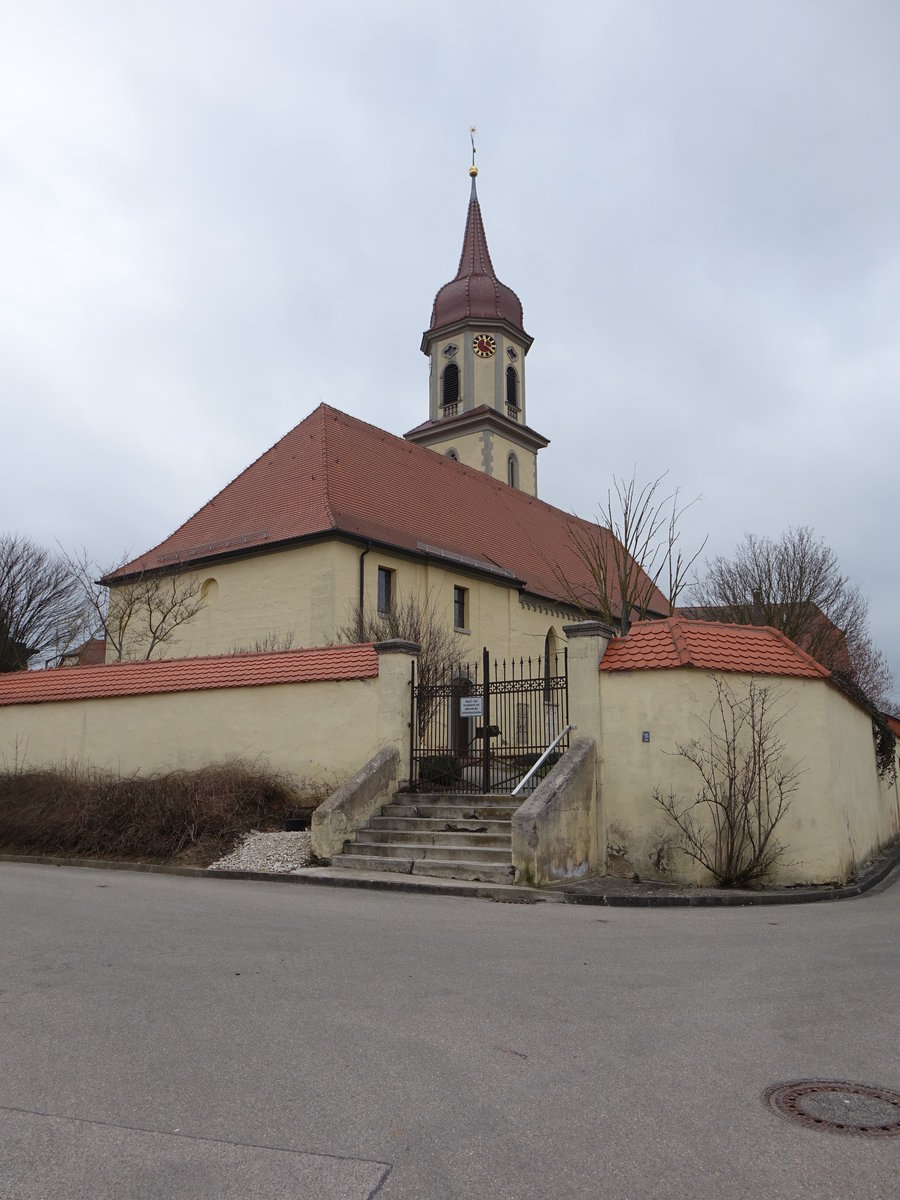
{"x":335,"y":474}
{"x":475,"y":291}
{"x":709,"y":646}
{"x":189,"y":674}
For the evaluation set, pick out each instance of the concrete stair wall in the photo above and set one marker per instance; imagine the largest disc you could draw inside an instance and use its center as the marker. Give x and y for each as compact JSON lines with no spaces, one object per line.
{"x":453,"y":835}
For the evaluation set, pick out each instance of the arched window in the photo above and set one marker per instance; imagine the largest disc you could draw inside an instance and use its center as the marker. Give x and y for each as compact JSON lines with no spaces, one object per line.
{"x":450,"y":385}
{"x":512,"y":391}
{"x":512,"y":470}
{"x":452,"y":453}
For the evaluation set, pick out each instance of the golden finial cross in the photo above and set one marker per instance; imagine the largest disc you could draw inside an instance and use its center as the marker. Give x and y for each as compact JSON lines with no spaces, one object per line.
{"x":473,"y":170}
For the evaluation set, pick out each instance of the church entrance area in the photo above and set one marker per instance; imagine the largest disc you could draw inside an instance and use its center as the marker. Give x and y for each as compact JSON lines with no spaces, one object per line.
{"x":481,"y":727}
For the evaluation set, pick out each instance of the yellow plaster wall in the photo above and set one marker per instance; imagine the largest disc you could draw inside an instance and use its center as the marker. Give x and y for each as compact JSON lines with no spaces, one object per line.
{"x":315,"y":731}
{"x":302,"y":590}
{"x":467,"y":446}
{"x":527,"y":463}
{"x":496,"y":619}
{"x":838,"y":815}
{"x":312,"y":591}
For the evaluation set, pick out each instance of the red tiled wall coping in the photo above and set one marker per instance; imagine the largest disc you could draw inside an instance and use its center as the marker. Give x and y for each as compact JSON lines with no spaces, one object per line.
{"x":709,"y":646}
{"x":330,"y":663}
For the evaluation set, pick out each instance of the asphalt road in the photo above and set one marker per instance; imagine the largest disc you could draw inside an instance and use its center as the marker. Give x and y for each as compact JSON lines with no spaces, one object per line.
{"x":192,"y":1038}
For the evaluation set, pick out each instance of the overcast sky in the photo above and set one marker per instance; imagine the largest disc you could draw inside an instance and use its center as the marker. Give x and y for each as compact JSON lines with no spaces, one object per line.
{"x":214,"y":216}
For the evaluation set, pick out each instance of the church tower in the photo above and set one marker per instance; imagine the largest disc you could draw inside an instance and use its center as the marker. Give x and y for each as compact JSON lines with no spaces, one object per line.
{"x":477,"y":345}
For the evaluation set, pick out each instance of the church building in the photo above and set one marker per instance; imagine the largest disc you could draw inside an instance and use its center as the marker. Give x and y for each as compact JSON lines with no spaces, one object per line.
{"x":340,"y":516}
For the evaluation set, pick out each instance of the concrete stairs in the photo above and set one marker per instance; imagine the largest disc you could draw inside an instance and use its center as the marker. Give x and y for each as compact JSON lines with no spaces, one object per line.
{"x":454,"y":835}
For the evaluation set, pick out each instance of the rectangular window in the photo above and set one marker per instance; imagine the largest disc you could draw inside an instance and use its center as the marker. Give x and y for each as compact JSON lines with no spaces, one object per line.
{"x":385,"y":590}
{"x":460,"y":607}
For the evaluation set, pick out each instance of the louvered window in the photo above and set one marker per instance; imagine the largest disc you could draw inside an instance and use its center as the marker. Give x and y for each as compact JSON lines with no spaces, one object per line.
{"x":512,"y":388}
{"x":450,"y":385}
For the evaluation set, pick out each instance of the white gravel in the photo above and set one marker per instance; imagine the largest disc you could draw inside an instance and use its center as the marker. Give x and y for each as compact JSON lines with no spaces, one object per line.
{"x":276,"y":852}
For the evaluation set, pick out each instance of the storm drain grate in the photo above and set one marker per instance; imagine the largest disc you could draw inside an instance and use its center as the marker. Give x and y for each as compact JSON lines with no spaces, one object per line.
{"x":837,"y":1107}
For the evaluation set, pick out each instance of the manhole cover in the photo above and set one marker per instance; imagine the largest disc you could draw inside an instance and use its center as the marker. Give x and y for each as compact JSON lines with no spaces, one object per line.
{"x":838,"y":1107}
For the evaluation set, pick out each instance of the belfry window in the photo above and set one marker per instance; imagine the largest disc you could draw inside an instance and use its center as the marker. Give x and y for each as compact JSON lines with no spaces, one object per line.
{"x":512,"y":389}
{"x":450,"y":385}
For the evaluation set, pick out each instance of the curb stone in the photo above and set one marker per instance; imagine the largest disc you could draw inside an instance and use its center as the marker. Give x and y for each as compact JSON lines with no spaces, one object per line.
{"x":510,"y":893}
{"x":725,"y":899}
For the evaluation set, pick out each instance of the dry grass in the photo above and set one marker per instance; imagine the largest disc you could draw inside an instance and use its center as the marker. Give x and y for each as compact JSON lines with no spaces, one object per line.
{"x":190,"y":817}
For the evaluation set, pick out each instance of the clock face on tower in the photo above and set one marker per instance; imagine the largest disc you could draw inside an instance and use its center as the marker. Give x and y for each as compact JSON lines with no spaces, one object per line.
{"x":484,"y":345}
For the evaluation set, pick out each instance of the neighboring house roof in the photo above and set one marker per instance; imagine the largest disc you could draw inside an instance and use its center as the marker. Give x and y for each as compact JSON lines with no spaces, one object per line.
{"x":476,"y":292}
{"x":334,"y":474}
{"x":89,"y":654}
{"x":189,"y":674}
{"x":709,"y":646}
{"x":822,"y":634}
{"x":894,"y":723}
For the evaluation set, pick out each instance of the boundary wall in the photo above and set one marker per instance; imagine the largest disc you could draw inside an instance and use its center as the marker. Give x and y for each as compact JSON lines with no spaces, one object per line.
{"x":840,"y":814}
{"x":315,"y":715}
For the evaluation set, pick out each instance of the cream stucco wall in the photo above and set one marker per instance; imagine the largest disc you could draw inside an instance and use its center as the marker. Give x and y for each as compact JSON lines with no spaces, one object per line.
{"x":312,"y":590}
{"x":497,"y":617}
{"x":839,"y":814}
{"x":502,"y":448}
{"x":487,"y":451}
{"x":320,"y":731}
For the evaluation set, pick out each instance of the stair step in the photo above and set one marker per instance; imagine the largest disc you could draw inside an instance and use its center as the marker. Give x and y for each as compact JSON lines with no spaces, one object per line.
{"x":439,"y":837}
{"x":480,"y":872}
{"x":497,"y":800}
{"x":430,"y":825}
{"x":487,"y":854}
{"x":448,"y":812}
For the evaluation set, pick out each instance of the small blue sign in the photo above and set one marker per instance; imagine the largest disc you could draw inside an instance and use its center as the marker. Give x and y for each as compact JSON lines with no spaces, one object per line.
{"x":645,"y":735}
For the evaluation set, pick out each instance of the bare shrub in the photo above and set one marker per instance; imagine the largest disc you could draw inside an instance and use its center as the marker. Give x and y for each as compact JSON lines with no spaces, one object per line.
{"x":191,"y":815}
{"x":745,"y":788}
{"x":410,"y":619}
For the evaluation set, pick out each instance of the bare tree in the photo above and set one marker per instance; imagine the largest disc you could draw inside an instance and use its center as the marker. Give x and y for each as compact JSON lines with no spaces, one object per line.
{"x":630,"y":551}
{"x":410,"y":619}
{"x":796,"y":585}
{"x":745,"y":789}
{"x":39,"y":603}
{"x":138,"y":616}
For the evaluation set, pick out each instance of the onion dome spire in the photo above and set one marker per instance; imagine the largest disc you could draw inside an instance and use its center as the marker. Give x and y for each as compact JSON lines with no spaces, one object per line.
{"x":476,"y":292}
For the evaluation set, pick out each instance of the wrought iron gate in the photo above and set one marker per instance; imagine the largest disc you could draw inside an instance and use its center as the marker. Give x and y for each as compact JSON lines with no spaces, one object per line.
{"x":480,"y":727}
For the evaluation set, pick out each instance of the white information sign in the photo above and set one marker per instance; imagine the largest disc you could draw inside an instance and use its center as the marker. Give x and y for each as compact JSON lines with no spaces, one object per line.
{"x":471,"y":706}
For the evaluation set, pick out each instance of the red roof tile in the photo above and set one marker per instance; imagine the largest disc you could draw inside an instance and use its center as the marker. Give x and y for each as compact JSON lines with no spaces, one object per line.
{"x":709,"y":646}
{"x":189,"y":674}
{"x":335,"y":474}
{"x":475,"y":291}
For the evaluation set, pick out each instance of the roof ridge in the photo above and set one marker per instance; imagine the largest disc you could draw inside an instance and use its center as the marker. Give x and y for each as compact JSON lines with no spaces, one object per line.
{"x":152,"y":663}
{"x":679,"y":641}
{"x":798,"y":650}
{"x":326,"y":499}
{"x":122,"y":572}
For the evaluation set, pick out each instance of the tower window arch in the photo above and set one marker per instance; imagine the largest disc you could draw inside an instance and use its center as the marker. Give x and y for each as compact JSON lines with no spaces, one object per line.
{"x":450,"y":385}
{"x":512,"y":470}
{"x":452,"y":453}
{"x":512,"y":392}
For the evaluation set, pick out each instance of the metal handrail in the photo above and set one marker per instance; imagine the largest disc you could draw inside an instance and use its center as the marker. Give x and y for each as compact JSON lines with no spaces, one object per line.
{"x":545,"y":755}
